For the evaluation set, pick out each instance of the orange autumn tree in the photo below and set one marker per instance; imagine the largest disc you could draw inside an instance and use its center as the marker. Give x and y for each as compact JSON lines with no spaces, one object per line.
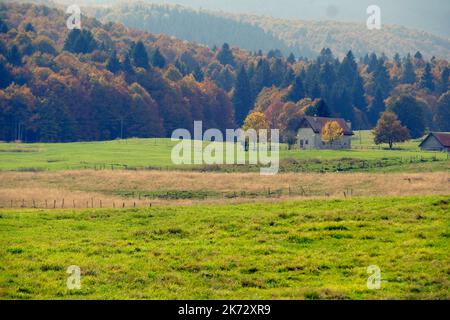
{"x":331,"y":132}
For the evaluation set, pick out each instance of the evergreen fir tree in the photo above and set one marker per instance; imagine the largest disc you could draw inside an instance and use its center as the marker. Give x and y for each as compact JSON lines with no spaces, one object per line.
{"x":242,"y":98}
{"x":426,"y":81}
{"x":288,"y":79}
{"x":139,"y":55}
{"x":323,"y":110}
{"x":297,"y":91}
{"x":158,"y":59}
{"x":408,"y":74}
{"x":5,"y":76}
{"x":418,"y":56}
{"x":198,"y":74}
{"x":444,"y":85}
{"x":14,"y":56}
{"x":376,"y":108}
{"x":225,"y":56}
{"x":373,"y":63}
{"x":397,"y":60}
{"x":113,"y":63}
{"x":80,"y":41}
{"x":291,"y":59}
{"x":126,"y":64}
{"x":358,"y":93}
{"x":382,"y":80}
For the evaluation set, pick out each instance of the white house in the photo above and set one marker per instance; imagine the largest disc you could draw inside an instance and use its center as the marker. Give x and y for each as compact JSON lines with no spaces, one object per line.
{"x":309,"y":134}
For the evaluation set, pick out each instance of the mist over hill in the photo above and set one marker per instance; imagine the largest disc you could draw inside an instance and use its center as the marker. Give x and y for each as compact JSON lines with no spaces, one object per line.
{"x":253,"y":32}
{"x":431,"y":16}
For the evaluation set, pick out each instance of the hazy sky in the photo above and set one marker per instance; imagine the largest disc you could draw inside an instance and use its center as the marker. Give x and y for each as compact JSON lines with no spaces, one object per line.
{"x":427,"y":15}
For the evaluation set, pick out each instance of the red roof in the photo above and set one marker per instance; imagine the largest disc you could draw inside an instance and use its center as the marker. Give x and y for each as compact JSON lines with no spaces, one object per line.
{"x":443,"y":138}
{"x":317,"y":124}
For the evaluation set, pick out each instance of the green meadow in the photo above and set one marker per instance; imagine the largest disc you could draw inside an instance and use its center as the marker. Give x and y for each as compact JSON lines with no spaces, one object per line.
{"x":156,"y":154}
{"x":315,"y":249}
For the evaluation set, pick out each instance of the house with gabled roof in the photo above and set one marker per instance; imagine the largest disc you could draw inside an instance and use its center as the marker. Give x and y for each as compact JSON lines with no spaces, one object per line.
{"x":436,"y":141}
{"x":309,"y":134}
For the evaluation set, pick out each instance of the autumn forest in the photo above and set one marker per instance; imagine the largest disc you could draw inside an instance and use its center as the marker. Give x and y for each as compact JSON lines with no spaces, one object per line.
{"x":107,"y":81}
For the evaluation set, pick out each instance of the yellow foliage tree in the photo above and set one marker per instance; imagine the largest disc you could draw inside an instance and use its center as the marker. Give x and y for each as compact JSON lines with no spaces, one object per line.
{"x":256,"y":121}
{"x":331,"y":132}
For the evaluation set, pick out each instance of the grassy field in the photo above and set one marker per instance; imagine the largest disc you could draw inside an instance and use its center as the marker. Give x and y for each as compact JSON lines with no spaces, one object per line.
{"x":156,"y":153}
{"x":290,"y":250}
{"x":109,"y":189}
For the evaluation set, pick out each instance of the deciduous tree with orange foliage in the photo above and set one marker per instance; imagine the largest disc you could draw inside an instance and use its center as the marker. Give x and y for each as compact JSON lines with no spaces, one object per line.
{"x":390,"y":130}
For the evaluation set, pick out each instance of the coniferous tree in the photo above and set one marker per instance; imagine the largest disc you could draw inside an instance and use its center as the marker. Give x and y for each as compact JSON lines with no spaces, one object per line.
{"x":158,"y":59}
{"x":418,"y":56}
{"x":397,"y":60}
{"x":126,"y":64}
{"x":139,"y":55}
{"x":288,"y":79}
{"x":323,"y":110}
{"x":373,"y":63}
{"x":277,"y":70}
{"x":261,"y":77}
{"x":113,"y":63}
{"x":382,"y":79}
{"x":225,"y":56}
{"x":291,"y":59}
{"x":376,"y":107}
{"x":444,"y":85}
{"x":5,"y":76}
{"x":327,"y":75}
{"x":358,"y":93}
{"x":426,"y":81}
{"x":198,"y":74}
{"x":408,"y":74}
{"x":297,"y":91}
{"x":411,"y":114}
{"x":14,"y":56}
{"x":80,"y":41}
{"x":315,"y":91}
{"x":242,"y":98}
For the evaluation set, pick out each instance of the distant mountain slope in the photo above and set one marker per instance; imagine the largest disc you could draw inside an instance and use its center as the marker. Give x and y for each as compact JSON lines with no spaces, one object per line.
{"x":256,"y":32}
{"x":341,"y":36}
{"x":192,"y":25}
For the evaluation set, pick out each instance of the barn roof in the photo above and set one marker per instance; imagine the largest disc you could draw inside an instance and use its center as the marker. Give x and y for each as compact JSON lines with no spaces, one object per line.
{"x":442,"y":137}
{"x":317,"y":123}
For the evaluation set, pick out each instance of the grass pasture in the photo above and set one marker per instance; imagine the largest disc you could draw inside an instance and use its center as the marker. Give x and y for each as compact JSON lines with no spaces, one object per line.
{"x":290,"y":250}
{"x":154,"y":154}
{"x":109,"y":189}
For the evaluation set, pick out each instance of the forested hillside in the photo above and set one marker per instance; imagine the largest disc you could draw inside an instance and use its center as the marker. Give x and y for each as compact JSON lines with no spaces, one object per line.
{"x":107,"y":81}
{"x":303,"y":38}
{"x":192,"y":25}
